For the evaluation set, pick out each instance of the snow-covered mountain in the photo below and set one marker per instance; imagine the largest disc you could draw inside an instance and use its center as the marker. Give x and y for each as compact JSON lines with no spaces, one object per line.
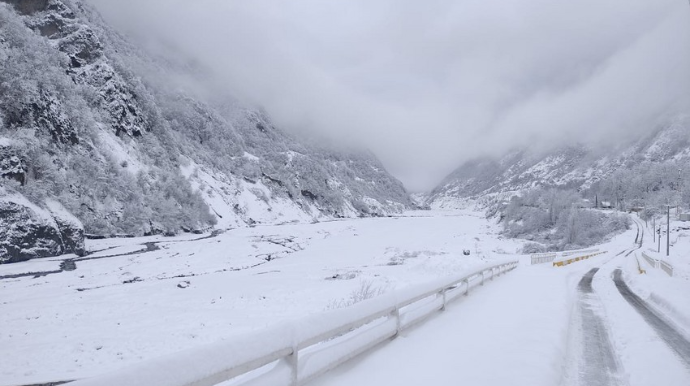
{"x":112,"y":134}
{"x":577,"y":167}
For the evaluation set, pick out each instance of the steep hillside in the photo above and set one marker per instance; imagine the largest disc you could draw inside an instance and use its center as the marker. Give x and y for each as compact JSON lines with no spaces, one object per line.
{"x":92,"y":122}
{"x":576,"y":167}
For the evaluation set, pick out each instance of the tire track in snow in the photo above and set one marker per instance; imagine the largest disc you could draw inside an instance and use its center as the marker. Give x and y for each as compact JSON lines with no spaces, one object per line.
{"x":585,"y":284}
{"x":639,"y":238}
{"x":598,"y":365}
{"x":670,"y":335}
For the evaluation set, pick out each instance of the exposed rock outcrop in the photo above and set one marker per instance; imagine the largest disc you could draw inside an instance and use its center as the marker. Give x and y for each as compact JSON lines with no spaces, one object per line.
{"x":12,"y":165}
{"x":28,"y":231}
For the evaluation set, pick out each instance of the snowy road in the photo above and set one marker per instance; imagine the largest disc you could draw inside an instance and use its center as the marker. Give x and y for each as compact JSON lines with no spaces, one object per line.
{"x":669,"y":333}
{"x":541,"y":325}
{"x":642,"y":358}
{"x":601,"y":366}
{"x":490,"y":338}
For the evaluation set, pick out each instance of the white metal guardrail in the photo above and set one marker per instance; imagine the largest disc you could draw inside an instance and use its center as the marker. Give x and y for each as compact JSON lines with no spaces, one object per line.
{"x":652,"y":261}
{"x":294,"y":353}
{"x":666,"y":267}
{"x":581,"y":252}
{"x":657,"y":263}
{"x":570,"y":260}
{"x":539,"y":258}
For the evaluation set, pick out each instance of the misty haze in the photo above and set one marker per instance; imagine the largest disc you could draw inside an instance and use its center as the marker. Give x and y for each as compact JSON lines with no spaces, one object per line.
{"x":333,"y":193}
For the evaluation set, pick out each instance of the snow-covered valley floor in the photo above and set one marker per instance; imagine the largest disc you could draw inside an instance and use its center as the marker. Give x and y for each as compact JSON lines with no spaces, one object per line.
{"x":114,"y":311}
{"x":134,"y":299}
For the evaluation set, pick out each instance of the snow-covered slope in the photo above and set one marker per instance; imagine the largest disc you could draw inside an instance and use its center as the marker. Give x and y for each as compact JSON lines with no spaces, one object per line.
{"x":112,"y":133}
{"x":577,"y":166}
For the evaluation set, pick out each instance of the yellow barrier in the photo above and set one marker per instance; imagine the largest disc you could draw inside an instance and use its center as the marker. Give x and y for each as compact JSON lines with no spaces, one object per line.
{"x":639,"y":267}
{"x":575,"y":259}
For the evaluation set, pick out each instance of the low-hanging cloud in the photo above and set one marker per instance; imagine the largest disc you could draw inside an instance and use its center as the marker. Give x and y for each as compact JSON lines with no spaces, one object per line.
{"x":428,"y":85}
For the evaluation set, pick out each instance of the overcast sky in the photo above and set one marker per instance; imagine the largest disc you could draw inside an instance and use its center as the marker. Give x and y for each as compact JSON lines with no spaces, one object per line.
{"x":429,"y":84}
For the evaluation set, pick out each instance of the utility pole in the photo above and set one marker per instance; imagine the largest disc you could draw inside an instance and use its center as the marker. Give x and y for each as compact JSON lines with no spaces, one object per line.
{"x":680,"y":191}
{"x":668,"y":229}
{"x":654,"y":228}
{"x":659,"y":240}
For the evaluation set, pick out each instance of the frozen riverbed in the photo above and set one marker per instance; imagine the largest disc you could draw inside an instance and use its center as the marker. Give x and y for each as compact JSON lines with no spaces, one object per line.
{"x":135,"y":299}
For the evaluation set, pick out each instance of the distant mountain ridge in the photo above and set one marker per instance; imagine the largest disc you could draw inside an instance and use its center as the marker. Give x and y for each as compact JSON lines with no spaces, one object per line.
{"x":576,"y":166}
{"x":92,"y":122}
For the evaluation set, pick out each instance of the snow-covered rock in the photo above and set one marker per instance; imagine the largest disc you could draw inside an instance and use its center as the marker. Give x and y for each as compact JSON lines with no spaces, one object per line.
{"x":71,"y":229}
{"x":12,"y":166}
{"x":28,"y":231}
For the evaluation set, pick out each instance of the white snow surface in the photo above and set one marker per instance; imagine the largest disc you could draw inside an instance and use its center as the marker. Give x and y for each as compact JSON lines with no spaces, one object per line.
{"x":123,"y":154}
{"x":6,"y":142}
{"x":116,"y":311}
{"x":19,"y":199}
{"x":62,"y":213}
{"x":237,"y":202}
{"x":134,"y":307}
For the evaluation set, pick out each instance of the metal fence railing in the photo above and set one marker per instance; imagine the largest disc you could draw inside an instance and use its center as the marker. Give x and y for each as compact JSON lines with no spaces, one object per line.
{"x":571,"y":260}
{"x":658,"y":264}
{"x":540,"y":258}
{"x":294,"y":353}
{"x":666,"y":267}
{"x":581,"y":252}
{"x":650,"y":260}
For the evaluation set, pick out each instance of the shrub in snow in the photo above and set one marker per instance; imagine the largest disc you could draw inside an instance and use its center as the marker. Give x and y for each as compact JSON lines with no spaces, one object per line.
{"x":648,"y":184}
{"x":556,"y":219}
{"x":530,"y":248}
{"x":344,"y":276}
{"x":366,"y":290}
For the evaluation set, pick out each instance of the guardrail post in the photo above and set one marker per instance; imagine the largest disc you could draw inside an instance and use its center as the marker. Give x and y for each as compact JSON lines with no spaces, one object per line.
{"x":396,"y":315}
{"x":443,"y":294}
{"x":483,"y":277}
{"x":467,"y":288}
{"x":293,"y":362}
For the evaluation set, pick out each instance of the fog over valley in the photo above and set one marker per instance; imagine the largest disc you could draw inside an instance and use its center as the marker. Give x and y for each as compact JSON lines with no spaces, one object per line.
{"x":430,"y":85}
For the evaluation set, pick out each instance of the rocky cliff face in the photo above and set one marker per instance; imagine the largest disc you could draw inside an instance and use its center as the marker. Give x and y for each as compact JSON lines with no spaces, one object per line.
{"x":28,"y":231}
{"x":92,"y":122}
